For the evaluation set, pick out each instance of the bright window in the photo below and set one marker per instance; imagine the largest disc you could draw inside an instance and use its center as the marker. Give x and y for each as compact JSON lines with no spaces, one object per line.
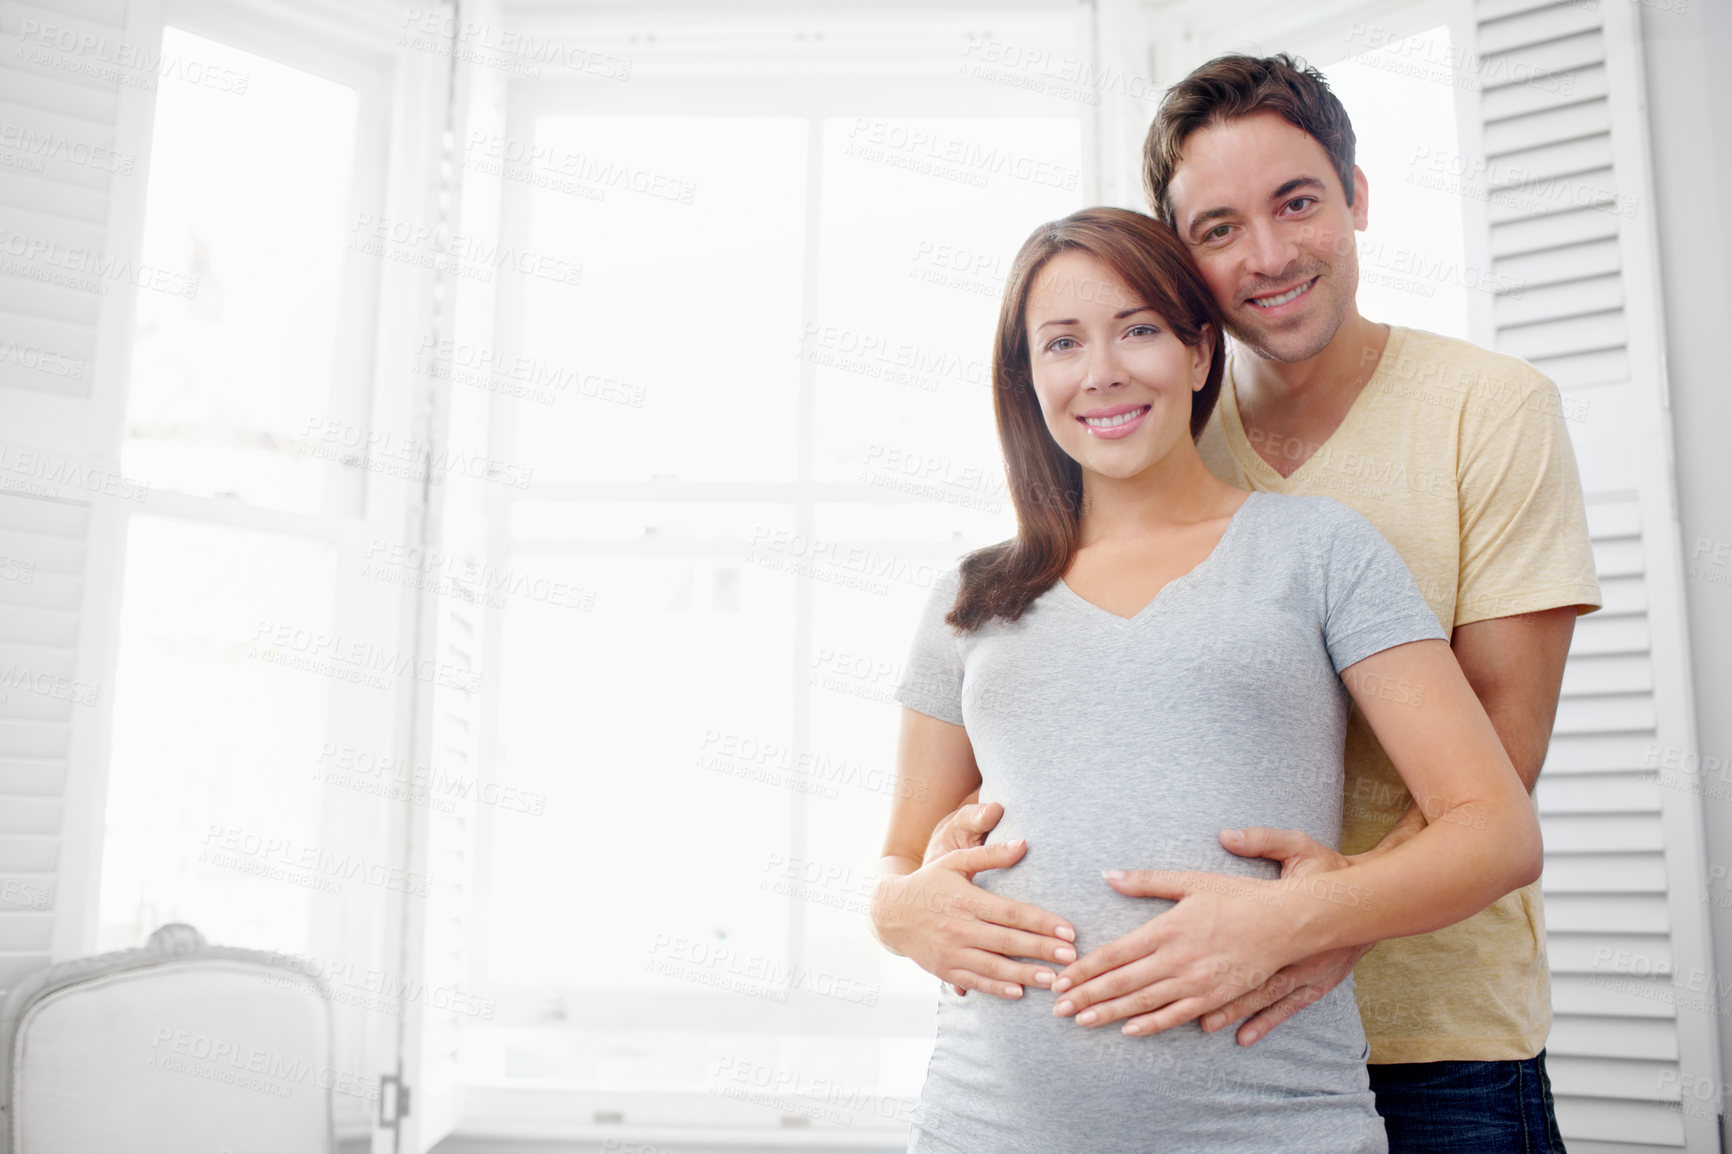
{"x":227,"y":703}
{"x":801,"y":431}
{"x":248,"y":213}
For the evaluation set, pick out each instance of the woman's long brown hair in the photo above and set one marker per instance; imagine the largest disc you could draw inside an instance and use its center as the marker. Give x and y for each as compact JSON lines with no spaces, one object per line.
{"x":1045,"y":483}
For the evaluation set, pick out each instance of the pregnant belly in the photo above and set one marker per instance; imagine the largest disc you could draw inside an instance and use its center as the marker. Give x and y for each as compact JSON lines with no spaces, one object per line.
{"x":1060,"y":873}
{"x":1007,"y":1076}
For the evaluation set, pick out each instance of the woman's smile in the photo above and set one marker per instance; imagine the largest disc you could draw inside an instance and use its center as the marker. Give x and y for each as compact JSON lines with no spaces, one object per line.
{"x":1114,"y":422}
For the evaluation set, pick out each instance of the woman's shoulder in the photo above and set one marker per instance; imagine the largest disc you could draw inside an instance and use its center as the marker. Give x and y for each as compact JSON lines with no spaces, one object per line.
{"x":1312,"y":516}
{"x":1318,"y":533}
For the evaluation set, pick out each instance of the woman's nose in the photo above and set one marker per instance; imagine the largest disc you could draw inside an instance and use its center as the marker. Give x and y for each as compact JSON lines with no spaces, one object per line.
{"x":1104,"y":368}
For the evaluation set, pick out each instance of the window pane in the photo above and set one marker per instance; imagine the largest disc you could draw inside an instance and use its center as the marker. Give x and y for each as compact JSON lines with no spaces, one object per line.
{"x":921,"y":218}
{"x":658,"y":727}
{"x":212,"y":799}
{"x":251,"y":196}
{"x":672,"y":356}
{"x":1413,"y":259}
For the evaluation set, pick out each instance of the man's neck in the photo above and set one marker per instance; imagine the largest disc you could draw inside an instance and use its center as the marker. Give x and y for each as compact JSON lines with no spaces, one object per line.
{"x":1288,"y":409}
{"x":1332,"y":378}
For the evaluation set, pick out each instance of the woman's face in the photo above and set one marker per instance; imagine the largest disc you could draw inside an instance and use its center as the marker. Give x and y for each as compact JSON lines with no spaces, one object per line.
{"x":1113,"y":381}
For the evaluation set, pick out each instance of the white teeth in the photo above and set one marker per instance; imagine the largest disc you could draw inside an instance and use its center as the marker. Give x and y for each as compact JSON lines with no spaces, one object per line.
{"x":1273,"y":302}
{"x":1115,"y":422}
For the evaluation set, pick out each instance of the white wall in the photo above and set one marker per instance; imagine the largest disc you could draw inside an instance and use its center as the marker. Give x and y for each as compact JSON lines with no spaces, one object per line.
{"x":1687,"y":44}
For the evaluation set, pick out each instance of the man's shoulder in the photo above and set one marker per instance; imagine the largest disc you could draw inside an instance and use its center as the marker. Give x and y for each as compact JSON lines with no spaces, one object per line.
{"x":1419,"y":358}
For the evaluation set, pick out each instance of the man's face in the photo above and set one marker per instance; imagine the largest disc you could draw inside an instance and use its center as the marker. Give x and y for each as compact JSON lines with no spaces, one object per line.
{"x":1265,"y":217}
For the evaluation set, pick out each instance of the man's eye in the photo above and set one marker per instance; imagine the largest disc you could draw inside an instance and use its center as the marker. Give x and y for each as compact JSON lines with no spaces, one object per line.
{"x":1301,"y":203}
{"x":1218,"y":232}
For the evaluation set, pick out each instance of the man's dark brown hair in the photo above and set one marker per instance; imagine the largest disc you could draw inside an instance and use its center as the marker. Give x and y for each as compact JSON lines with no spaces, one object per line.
{"x":1232,"y":86}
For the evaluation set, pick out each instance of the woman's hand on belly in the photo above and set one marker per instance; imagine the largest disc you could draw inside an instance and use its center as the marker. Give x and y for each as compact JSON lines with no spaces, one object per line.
{"x":1226,"y":936}
{"x":970,"y":937}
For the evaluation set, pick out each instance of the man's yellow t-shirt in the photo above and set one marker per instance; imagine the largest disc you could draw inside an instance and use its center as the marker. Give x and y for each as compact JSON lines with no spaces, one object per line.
{"x":1461,"y":459}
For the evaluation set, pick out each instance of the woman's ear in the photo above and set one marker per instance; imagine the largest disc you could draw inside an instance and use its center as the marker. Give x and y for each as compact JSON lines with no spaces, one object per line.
{"x":1202,"y":356}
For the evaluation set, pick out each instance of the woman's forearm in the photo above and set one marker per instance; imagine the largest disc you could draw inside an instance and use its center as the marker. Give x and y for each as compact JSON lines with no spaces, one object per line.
{"x":1465,"y":858}
{"x":1480,"y":838}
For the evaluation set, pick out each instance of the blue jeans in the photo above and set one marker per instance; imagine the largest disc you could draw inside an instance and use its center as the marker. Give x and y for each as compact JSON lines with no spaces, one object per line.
{"x":1467,"y":1107}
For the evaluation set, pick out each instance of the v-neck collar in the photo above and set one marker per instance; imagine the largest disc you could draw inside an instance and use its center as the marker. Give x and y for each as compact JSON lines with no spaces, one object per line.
{"x":1066,"y":591}
{"x":1252,"y":462}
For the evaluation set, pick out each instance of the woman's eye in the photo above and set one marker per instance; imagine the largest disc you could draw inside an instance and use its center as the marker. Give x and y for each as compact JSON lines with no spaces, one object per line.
{"x":1054,"y":345}
{"x":1143,"y":330}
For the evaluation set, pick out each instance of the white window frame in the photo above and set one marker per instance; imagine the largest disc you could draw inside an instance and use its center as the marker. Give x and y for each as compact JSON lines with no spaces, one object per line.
{"x":358,"y":47}
{"x":746,"y":68}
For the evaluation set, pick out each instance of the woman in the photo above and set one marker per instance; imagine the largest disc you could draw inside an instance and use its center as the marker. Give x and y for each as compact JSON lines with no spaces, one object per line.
{"x":1154,"y":657}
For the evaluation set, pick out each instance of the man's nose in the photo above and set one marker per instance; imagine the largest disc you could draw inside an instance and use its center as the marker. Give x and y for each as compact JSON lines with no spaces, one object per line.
{"x":1274,"y":251}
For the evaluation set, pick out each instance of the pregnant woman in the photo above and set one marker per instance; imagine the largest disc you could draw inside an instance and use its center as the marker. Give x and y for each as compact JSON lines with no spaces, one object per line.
{"x":1156,"y":656}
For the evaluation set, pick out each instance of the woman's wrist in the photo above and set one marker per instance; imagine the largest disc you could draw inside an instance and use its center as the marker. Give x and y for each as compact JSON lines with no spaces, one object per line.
{"x":893,"y":869}
{"x":1320,"y":906}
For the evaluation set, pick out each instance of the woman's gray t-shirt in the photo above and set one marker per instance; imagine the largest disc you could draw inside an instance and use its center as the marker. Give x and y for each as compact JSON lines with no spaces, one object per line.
{"x":1128,"y":743}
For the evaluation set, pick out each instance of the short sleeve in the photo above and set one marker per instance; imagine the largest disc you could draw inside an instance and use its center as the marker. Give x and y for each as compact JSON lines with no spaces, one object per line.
{"x":1371,"y":602}
{"x":932,"y":675}
{"x":1524,"y":532}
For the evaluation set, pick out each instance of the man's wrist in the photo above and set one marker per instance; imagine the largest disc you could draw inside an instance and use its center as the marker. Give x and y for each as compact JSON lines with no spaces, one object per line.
{"x":1405,"y":827}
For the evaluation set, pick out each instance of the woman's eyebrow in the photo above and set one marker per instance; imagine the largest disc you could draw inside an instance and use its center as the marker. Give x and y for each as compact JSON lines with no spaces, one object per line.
{"x":1116,"y":316}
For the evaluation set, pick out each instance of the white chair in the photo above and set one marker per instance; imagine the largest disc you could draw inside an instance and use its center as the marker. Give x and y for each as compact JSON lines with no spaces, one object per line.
{"x":177,"y":1046}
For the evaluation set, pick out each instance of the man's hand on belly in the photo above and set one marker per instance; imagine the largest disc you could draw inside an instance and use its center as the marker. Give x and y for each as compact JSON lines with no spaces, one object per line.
{"x":964,"y":827}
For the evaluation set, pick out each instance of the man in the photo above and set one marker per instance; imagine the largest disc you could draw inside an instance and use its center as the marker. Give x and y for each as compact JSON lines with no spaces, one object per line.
{"x":1460,"y":457}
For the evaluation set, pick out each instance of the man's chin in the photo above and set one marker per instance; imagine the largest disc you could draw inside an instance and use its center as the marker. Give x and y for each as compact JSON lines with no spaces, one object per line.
{"x":1284,"y":347}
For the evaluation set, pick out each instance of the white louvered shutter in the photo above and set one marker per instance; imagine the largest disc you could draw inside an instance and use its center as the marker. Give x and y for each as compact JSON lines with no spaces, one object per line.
{"x":67,"y":223}
{"x":1565,"y":212}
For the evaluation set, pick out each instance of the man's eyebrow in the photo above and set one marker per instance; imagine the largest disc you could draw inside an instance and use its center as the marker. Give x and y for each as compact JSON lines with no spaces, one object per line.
{"x":1119,"y":316}
{"x":1205,"y":217}
{"x":1296,"y":184}
{"x":1286,"y":189}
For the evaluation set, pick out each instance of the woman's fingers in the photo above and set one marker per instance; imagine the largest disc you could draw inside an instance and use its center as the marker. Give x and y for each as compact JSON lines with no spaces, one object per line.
{"x":963,"y":981}
{"x":989,"y":907}
{"x":1079,"y":997}
{"x":1139,"y":943}
{"x":1021,"y":944}
{"x":1175,"y":1014}
{"x":994,"y":974}
{"x":1034,"y":933}
{"x":968,"y":936}
{"x":1141,"y":999}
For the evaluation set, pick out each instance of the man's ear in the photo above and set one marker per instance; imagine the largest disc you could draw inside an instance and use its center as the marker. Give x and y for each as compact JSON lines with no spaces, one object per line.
{"x":1361,"y":200}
